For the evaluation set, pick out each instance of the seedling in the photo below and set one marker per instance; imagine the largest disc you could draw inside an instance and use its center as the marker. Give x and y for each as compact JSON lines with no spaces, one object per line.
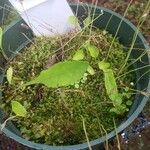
{"x":111,"y":87}
{"x":19,"y":111}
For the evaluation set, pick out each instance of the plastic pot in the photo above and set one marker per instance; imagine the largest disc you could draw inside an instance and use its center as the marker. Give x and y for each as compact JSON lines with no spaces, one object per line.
{"x":14,"y":40}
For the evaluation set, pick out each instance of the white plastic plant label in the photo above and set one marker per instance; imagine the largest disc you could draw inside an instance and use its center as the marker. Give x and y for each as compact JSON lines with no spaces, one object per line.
{"x":22,"y":5}
{"x":46,"y":17}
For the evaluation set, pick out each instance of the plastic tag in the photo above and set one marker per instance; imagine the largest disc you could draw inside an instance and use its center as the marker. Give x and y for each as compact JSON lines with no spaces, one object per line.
{"x":46,"y":17}
{"x":22,"y":5}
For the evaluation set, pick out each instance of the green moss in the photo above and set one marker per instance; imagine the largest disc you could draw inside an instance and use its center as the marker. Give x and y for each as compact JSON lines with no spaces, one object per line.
{"x":55,"y":115}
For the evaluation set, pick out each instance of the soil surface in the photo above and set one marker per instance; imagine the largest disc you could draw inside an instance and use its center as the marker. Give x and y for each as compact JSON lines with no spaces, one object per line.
{"x":136,"y":142}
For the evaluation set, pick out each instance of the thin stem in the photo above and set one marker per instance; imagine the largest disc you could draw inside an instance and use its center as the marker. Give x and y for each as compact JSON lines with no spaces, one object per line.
{"x":135,"y":36}
{"x":118,"y":28}
{"x":84,"y":128}
{"x":102,"y":127}
{"x":5,"y":122}
{"x":118,"y":142}
{"x":132,"y":71}
{"x":93,"y":15}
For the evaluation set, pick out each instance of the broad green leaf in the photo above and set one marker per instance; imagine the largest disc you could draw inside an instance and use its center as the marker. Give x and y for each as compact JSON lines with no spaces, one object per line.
{"x":73,"y":20}
{"x":1,"y":37}
{"x":79,"y":55}
{"x":61,"y":74}
{"x":110,"y":83}
{"x":111,"y":87}
{"x":94,"y":51}
{"x":103,"y":65}
{"x":87,"y":21}
{"x":18,"y":109}
{"x":90,"y":70}
{"x":9,"y":75}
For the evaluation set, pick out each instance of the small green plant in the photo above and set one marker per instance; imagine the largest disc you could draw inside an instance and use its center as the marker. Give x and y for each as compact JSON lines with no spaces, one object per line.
{"x":109,"y":78}
{"x":90,"y":70}
{"x":93,"y":50}
{"x":73,"y":20}
{"x":79,"y":55}
{"x":19,"y":111}
{"x":111,"y":88}
{"x":61,"y":74}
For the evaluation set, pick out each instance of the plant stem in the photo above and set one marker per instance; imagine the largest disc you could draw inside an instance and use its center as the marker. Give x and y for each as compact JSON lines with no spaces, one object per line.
{"x":5,"y":122}
{"x":118,"y":28}
{"x":135,"y":36}
{"x":119,"y":148}
{"x":84,"y":128}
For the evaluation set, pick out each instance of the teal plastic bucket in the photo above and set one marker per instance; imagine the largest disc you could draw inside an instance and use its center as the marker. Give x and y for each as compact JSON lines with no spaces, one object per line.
{"x":15,"y":38}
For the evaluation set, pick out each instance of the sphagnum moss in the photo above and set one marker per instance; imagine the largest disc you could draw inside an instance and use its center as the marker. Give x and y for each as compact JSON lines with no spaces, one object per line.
{"x":55,"y":115}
